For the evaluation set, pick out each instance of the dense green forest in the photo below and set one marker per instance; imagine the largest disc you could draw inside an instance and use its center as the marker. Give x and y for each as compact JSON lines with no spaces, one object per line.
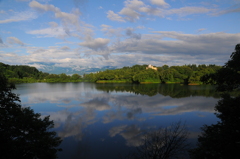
{"x":187,"y":74}
{"x":28,"y":74}
{"x":139,"y":74}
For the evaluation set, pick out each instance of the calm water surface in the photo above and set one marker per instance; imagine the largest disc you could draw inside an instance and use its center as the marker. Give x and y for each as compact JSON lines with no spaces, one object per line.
{"x":107,"y":120}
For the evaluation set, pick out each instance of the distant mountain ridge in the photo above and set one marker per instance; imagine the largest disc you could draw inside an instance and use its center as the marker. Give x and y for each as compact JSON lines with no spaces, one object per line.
{"x":53,"y":69}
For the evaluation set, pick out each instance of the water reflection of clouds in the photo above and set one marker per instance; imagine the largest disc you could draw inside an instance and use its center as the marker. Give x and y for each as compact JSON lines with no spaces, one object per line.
{"x":134,"y":134}
{"x":66,"y":98}
{"x":131,"y":113}
{"x":51,"y":98}
{"x":131,"y":133}
{"x":145,"y":104}
{"x":130,"y":106}
{"x":111,"y":115}
{"x":116,"y":130}
{"x":73,"y":123}
{"x":157,"y":103}
{"x":87,"y":102}
{"x":97,"y":103}
{"x":122,"y":114}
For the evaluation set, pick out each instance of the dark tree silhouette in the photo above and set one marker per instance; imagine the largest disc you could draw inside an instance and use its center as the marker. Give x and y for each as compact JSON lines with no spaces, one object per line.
{"x":228,"y":77}
{"x":23,"y":133}
{"x":222,"y":140}
{"x":164,"y":143}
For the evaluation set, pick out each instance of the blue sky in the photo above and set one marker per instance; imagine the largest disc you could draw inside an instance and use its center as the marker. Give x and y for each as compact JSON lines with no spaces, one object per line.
{"x":96,"y":33}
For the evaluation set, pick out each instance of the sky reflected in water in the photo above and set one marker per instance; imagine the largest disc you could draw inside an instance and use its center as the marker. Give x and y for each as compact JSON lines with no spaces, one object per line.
{"x":108,"y":120}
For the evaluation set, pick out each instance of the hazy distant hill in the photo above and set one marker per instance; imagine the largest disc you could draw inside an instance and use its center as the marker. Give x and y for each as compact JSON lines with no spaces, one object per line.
{"x":51,"y":68}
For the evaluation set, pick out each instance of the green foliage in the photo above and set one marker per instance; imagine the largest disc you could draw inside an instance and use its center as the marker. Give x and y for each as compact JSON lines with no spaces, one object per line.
{"x":23,"y":133}
{"x":20,"y":71}
{"x":227,"y":78}
{"x":76,"y":77}
{"x":91,"y":77}
{"x":203,"y":71}
{"x":135,"y":74}
{"x":222,"y":140}
{"x":27,"y":74}
{"x":165,"y":74}
{"x":148,"y":75}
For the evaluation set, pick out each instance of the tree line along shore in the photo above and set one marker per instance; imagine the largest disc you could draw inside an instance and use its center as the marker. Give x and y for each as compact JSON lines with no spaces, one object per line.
{"x":186,"y":74}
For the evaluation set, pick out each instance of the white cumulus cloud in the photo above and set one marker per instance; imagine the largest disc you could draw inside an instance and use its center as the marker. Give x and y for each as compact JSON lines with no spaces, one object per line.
{"x":14,"y":40}
{"x":160,"y":3}
{"x":95,"y":44}
{"x":114,"y":17}
{"x":19,"y":16}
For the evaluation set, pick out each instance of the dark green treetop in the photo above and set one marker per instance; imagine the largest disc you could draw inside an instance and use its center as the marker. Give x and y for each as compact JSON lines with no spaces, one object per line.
{"x":23,"y":133}
{"x":228,"y":77}
{"x":222,"y":140}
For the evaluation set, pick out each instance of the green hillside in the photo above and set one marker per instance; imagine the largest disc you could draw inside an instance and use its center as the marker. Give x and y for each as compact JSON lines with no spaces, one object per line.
{"x":187,"y":74}
{"x":28,"y":74}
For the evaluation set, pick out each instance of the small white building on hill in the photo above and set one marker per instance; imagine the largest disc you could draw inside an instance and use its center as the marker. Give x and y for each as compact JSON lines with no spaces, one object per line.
{"x":151,"y":67}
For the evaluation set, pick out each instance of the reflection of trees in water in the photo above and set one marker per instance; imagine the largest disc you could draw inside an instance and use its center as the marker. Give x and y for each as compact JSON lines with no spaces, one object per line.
{"x":163,"y":143}
{"x":146,"y":89}
{"x":179,"y":91}
{"x":172,"y":90}
{"x":143,"y":89}
{"x":76,"y":149}
{"x":82,"y":150}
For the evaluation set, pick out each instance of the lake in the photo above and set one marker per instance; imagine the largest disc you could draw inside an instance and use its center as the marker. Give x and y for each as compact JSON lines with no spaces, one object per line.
{"x":107,"y":120}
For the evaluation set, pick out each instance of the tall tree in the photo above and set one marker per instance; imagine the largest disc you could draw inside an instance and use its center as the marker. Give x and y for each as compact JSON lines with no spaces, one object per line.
{"x":228,"y":77}
{"x":222,"y":140}
{"x":23,"y":133}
